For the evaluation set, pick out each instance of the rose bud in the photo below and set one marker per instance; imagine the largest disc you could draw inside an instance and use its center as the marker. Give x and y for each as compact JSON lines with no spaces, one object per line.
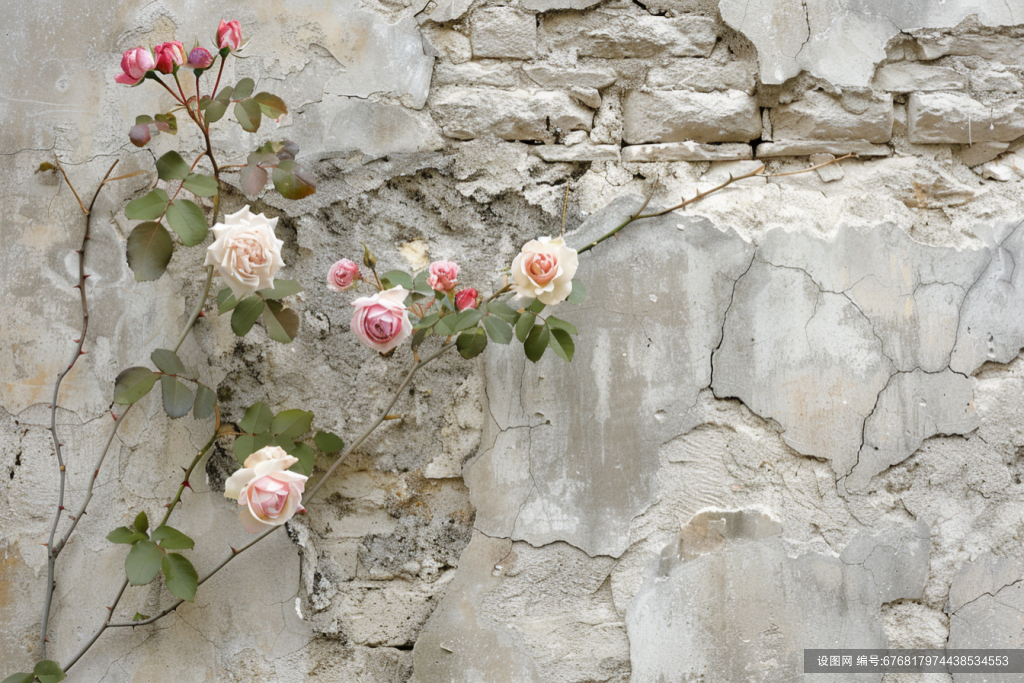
{"x":443,"y":276}
{"x":169,"y":55}
{"x":382,"y":321}
{"x":268,"y":493}
{"x":343,"y":275}
{"x":466,"y":299}
{"x":199,"y":58}
{"x":246,"y":253}
{"x":544,"y":270}
{"x":229,"y":35}
{"x":135,"y":63}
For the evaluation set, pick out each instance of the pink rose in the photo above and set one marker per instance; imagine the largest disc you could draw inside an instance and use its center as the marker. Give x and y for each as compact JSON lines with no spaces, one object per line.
{"x":381,"y":320}
{"x":229,"y":35}
{"x":544,"y":270}
{"x":343,"y":275}
{"x":443,"y":276}
{"x":199,"y":58}
{"x":268,"y":493}
{"x":134,"y":63}
{"x":169,"y":55}
{"x":466,"y":299}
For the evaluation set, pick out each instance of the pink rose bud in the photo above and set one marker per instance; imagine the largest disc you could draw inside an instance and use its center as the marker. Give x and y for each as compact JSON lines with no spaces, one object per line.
{"x":343,"y":275}
{"x":466,"y":299}
{"x":382,"y":321}
{"x":443,"y":276}
{"x":169,"y":55}
{"x":229,"y":35}
{"x":199,"y":58}
{"x":135,"y":63}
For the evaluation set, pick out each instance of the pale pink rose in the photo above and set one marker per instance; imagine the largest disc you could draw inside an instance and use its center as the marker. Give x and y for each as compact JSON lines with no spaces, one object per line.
{"x":466,"y":299}
{"x":199,"y":58}
{"x":229,"y":35}
{"x":134,"y":63}
{"x":246,"y":252}
{"x":343,"y":275}
{"x":382,"y":320}
{"x":544,"y":270}
{"x":169,"y":55}
{"x":268,"y":493}
{"x":443,"y":276}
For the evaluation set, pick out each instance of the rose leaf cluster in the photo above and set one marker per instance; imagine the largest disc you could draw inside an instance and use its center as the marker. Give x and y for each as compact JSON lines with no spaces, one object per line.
{"x":149,"y":557}
{"x":135,"y":382}
{"x":260,"y":428}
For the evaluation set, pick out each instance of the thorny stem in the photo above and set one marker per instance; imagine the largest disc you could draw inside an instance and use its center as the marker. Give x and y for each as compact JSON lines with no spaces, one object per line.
{"x":51,"y":553}
{"x":701,"y":195}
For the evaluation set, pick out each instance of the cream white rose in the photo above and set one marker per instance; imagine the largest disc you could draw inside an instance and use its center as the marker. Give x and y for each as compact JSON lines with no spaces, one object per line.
{"x":268,"y":493}
{"x":544,"y":270}
{"x":246,"y":253}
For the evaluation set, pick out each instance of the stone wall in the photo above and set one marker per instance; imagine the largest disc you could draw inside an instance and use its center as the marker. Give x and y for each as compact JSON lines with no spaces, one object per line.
{"x":792,"y":420}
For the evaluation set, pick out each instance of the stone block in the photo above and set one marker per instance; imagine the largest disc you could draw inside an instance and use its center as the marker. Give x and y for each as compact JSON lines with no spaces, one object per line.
{"x":481,"y":72}
{"x":829,"y":173}
{"x":618,"y":35}
{"x":581,"y":152}
{"x":588,"y":96}
{"x":992,"y":80}
{"x":703,"y":76}
{"x":467,"y":113}
{"x":819,"y":116}
{"x":916,"y":77}
{"x":503,"y":32}
{"x":974,"y":155}
{"x":944,"y":118}
{"x":796,"y":148}
{"x":676,"y":116}
{"x":551,"y":76}
{"x":687,"y":151}
{"x":998,"y":48}
{"x":548,"y":5}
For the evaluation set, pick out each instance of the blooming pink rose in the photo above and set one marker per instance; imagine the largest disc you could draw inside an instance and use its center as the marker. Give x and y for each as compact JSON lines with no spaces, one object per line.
{"x":134,"y":63}
{"x":229,"y":35}
{"x":382,"y":320}
{"x":268,"y":493}
{"x":199,"y":58}
{"x":466,"y":299}
{"x":169,"y":55}
{"x":343,"y":275}
{"x":544,"y":270}
{"x":443,"y":276}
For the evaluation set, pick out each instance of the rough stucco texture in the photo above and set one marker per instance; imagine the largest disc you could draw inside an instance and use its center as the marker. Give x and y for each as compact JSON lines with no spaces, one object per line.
{"x":793,"y":416}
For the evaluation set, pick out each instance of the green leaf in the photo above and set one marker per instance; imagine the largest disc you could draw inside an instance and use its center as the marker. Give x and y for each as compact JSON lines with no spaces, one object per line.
{"x":170,"y":538}
{"x":123,"y":534}
{"x":243,"y":89}
{"x":498,"y":330}
{"x":139,"y":616}
{"x":245,"y":315}
{"x":292,"y":181}
{"x":20,"y":678}
{"x":168,"y":361}
{"x":247,"y":444}
{"x":181,"y":577}
{"x":132,"y":384}
{"x":225,"y":300}
{"x":253,"y":179}
{"x":168,"y":123}
{"x":148,"y":207}
{"x":327,"y":442}
{"x":272,"y":105}
{"x":142,"y":118}
{"x":281,"y":289}
{"x":420,"y":283}
{"x":578,"y":293}
{"x":559,"y":324}
{"x":256,"y":419}
{"x":206,"y":400}
{"x":282,"y":323}
{"x":396,"y":278}
{"x":201,"y":185}
{"x":143,"y":562}
{"x":561,"y":343}
{"x":49,"y":671}
{"x":535,"y":306}
{"x":467,"y":319}
{"x":141,"y":522}
{"x":149,"y":251}
{"x":187,"y":219}
{"x":215,"y":111}
{"x":503,"y":311}
{"x":426,"y":321}
{"x":536,"y":342}
{"x":306,"y":458}
{"x":445,"y":327}
{"x":471,"y":342}
{"x":178,"y":399}
{"x":524,"y":326}
{"x":291,"y":423}
{"x":225,"y":94}
{"x":249,"y":115}
{"x":418,"y":337}
{"x":172,"y":167}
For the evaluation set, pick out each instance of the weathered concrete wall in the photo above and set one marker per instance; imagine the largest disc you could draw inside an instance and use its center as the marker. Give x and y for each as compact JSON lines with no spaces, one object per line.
{"x":792,"y":420}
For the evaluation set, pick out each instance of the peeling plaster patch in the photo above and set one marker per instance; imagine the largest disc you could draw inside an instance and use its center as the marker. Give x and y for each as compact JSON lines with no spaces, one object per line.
{"x":378,"y":129}
{"x":986,"y":603}
{"x":727,"y":598}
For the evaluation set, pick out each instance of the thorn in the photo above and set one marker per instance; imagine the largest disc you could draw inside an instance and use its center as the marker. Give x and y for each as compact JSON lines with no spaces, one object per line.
{"x":234,"y":551}
{"x":60,"y":507}
{"x":47,"y":544}
{"x":113,"y":416}
{"x":95,"y":474}
{"x":88,"y":237}
{"x":167,"y":505}
{"x":79,"y":251}
{"x":76,"y":340}
{"x":86,"y":276}
{"x":110,"y":608}
{"x":72,"y":518}
{"x":77,"y":287}
{"x":82,"y":353}
{"x":188,"y":485}
{"x":183,"y":468}
{"x":47,"y":639}
{"x":202,"y":314}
